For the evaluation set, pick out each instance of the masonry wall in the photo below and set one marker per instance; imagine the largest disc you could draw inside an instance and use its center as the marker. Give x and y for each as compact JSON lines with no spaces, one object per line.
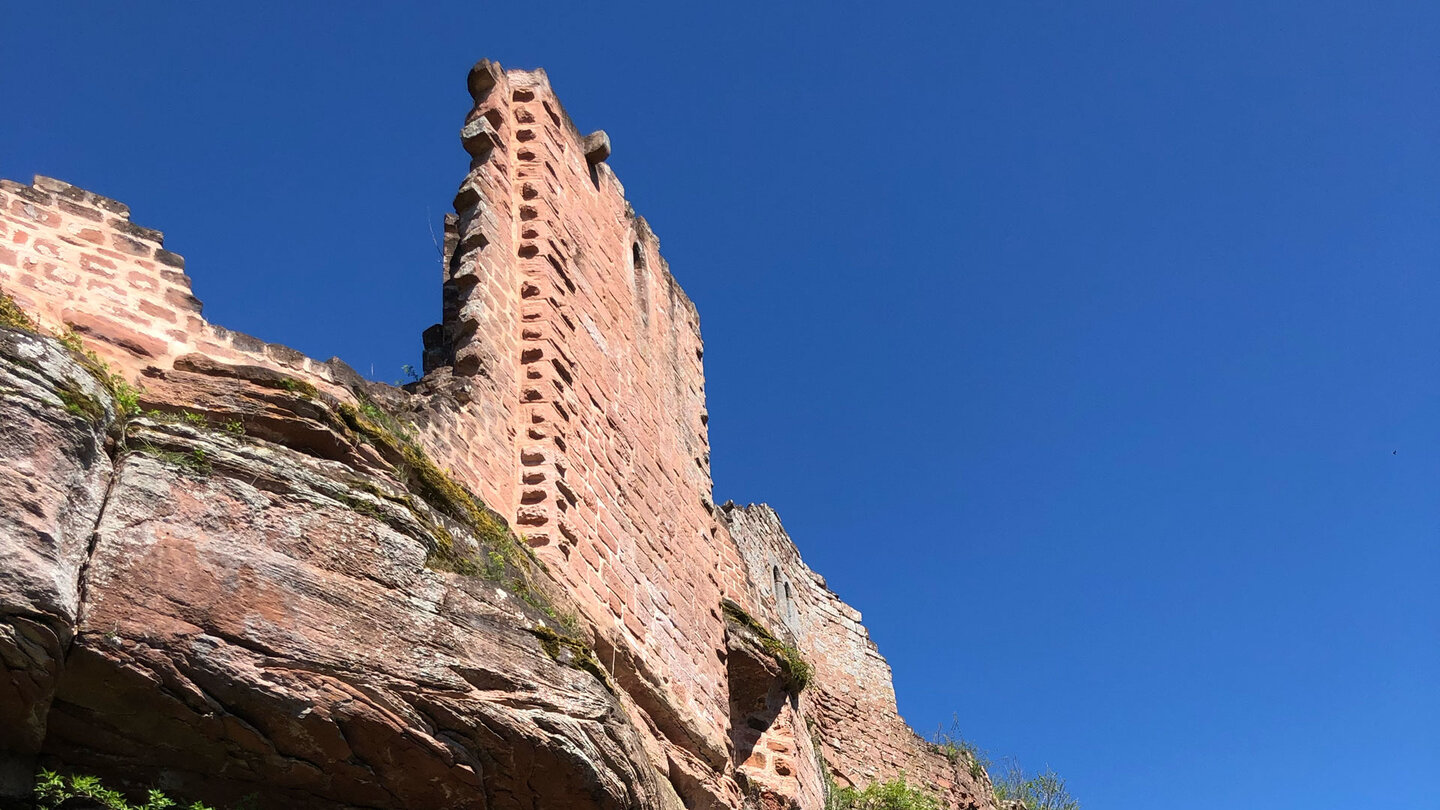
{"x":471,"y":358}
{"x":75,"y":262}
{"x":578,"y":412}
{"x":586,"y":359}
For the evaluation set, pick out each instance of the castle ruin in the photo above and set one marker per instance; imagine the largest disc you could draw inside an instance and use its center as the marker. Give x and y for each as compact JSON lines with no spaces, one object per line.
{"x":234,"y":570}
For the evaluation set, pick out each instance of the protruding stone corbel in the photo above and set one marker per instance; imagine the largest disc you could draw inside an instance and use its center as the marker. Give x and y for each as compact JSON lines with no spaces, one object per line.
{"x":597,"y":147}
{"x":483,"y":78}
{"x":478,"y":137}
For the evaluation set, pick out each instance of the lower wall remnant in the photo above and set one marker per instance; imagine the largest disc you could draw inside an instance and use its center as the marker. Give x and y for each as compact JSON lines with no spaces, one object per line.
{"x":233,"y":571}
{"x":851,"y":707}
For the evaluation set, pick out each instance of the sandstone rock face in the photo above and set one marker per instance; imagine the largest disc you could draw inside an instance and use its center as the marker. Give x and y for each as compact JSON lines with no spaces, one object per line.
{"x":235,"y":618}
{"x":240,"y":573}
{"x":54,"y":474}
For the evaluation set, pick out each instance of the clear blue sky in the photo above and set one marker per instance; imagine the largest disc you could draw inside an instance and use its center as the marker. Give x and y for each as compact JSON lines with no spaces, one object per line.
{"x":1090,"y":349}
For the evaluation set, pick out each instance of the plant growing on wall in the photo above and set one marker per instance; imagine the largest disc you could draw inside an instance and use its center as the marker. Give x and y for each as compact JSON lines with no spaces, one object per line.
{"x":962,"y":752}
{"x":798,"y":671}
{"x":896,"y":794}
{"x":1043,"y":791}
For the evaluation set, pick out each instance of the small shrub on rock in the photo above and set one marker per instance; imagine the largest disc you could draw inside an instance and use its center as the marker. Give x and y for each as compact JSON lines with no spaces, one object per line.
{"x":53,"y":790}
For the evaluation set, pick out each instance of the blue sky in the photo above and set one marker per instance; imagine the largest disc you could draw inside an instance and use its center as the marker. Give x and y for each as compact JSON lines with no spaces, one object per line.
{"x":1088,"y":349}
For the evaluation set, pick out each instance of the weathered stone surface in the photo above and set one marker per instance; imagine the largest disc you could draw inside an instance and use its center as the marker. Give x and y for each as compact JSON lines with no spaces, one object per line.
{"x":483,"y":78}
{"x":241,"y":618}
{"x":478,"y":136}
{"x":303,"y":649}
{"x":54,"y":473}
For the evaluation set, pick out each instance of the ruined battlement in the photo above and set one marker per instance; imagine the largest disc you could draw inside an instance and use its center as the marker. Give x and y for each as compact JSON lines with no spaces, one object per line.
{"x":75,"y":261}
{"x":564,"y":387}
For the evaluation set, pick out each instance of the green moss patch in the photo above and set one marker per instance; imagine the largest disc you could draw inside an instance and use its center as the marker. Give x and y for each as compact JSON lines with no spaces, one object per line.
{"x":421,"y":475}
{"x":501,"y":556}
{"x":796,"y":669}
{"x":300,"y":388}
{"x":126,"y":396}
{"x":81,"y":404}
{"x":570,"y":651}
{"x":76,"y":401}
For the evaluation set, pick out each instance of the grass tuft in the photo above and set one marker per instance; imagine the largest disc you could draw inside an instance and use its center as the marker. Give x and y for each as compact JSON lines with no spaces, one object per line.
{"x":1043,"y":791}
{"x":962,"y":752}
{"x":125,"y":395}
{"x":196,"y":462}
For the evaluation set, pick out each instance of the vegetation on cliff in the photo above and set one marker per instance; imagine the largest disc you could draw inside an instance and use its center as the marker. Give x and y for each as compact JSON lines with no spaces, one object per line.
{"x":268,"y":514}
{"x":501,"y":556}
{"x":54,"y":790}
{"x":896,"y":794}
{"x":1043,"y":791}
{"x":12,"y":316}
{"x":1014,"y":788}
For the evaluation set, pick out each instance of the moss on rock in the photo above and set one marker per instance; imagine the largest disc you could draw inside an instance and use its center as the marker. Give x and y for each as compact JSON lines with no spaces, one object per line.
{"x":82,"y":404}
{"x":13,"y":317}
{"x":571,"y":651}
{"x":793,"y":665}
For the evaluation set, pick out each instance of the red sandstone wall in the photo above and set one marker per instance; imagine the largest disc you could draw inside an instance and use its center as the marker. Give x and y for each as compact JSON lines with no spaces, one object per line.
{"x":74,"y":260}
{"x":611,"y":456}
{"x":473,"y":354}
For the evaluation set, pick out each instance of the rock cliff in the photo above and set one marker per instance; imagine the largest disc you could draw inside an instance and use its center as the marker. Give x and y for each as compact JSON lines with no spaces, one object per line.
{"x":246,"y":576}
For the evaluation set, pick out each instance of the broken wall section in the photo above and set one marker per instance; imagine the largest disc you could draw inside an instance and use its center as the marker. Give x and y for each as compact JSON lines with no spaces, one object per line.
{"x":851,"y":702}
{"x":75,"y":262}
